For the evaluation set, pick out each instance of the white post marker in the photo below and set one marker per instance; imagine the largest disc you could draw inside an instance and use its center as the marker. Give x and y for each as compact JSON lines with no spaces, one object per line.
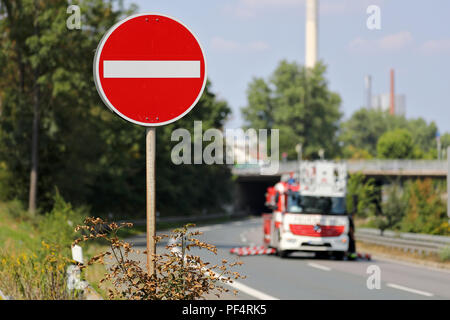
{"x":77,"y":254}
{"x":150,"y":70}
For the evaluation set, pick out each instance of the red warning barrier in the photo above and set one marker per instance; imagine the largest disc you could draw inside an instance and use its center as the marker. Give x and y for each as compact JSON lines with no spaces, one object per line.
{"x":262,"y":250}
{"x":364,"y":256}
{"x":235,"y":250}
{"x":252,"y":251}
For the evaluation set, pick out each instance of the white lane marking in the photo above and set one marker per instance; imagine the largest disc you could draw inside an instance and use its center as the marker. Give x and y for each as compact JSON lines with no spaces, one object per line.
{"x":250,"y":291}
{"x":151,"y":69}
{"x":235,"y":284}
{"x":399,"y":287}
{"x":410,"y":264}
{"x":318,"y":266}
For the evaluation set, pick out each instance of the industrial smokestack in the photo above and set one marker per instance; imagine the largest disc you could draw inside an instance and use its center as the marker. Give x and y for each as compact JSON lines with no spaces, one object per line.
{"x":392,"y":106}
{"x":368,"y":91}
{"x":312,"y":21}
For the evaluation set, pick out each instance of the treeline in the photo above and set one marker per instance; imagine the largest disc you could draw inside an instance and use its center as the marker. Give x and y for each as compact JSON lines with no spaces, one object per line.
{"x":84,"y":151}
{"x":300,"y":104}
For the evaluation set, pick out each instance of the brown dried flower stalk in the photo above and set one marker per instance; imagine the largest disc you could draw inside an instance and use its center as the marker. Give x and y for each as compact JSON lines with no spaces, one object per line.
{"x":178,"y":275}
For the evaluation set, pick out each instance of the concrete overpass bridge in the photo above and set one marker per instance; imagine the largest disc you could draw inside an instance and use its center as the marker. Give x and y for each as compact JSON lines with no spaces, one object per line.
{"x":375,"y":168}
{"x":251,"y":185}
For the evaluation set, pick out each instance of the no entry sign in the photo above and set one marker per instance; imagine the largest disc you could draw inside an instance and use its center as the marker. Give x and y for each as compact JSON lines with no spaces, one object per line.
{"x":150,"y":69}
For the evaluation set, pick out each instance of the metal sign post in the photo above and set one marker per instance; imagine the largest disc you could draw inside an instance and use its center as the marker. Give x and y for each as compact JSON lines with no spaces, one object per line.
{"x":299,"y":148}
{"x":151,"y":216}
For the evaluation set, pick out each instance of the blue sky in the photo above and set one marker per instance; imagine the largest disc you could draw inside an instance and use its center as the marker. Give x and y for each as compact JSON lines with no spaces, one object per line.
{"x":247,"y":38}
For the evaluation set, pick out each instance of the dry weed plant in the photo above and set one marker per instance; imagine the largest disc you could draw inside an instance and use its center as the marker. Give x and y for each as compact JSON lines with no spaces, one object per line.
{"x":178,"y":274}
{"x":36,"y":276}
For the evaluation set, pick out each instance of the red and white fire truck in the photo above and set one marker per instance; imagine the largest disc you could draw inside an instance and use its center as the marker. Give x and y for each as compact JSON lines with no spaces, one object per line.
{"x":309,"y":213}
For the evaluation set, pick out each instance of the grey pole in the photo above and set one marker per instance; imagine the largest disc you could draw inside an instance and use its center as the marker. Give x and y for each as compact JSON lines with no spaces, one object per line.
{"x":151,"y":217}
{"x":439,"y":148}
{"x":299,"y":150}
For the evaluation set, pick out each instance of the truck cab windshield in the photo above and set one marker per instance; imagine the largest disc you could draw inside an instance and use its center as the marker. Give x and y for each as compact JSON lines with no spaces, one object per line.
{"x":315,"y":204}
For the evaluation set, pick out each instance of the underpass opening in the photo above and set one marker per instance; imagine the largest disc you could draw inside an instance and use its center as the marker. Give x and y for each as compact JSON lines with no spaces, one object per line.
{"x":250,"y":194}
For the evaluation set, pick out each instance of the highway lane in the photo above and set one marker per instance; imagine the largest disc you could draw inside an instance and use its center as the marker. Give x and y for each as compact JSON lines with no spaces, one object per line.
{"x":302,"y":276}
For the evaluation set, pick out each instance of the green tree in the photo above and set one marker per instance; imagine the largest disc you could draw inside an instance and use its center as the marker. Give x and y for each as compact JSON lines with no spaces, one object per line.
{"x":364,"y":128}
{"x":397,"y":144}
{"x":46,"y":92}
{"x":90,"y":154}
{"x":445,"y":141}
{"x":365,"y":191}
{"x":423,"y":135}
{"x":299,"y":103}
{"x":350,"y":152}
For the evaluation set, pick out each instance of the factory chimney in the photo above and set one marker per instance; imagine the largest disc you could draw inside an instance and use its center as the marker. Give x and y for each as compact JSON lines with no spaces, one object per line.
{"x":368,"y":91}
{"x":312,"y":20}
{"x":392,"y":106}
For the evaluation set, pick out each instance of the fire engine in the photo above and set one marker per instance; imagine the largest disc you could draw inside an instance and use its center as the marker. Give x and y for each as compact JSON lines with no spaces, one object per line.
{"x":309,"y":213}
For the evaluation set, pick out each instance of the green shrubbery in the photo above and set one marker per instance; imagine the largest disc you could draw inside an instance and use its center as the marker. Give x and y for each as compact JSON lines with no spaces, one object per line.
{"x":35,"y":275}
{"x":366,"y":193}
{"x":35,"y":252}
{"x":390,"y":213}
{"x":57,"y":226}
{"x":416,"y":206}
{"x":426,"y":212}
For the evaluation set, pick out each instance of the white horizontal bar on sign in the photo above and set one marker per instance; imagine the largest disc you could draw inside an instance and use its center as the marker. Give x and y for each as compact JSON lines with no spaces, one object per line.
{"x":151,"y":69}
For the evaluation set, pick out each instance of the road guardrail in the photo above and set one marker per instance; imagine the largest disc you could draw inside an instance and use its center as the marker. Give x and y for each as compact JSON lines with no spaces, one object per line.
{"x":180,"y":219}
{"x":408,"y":242}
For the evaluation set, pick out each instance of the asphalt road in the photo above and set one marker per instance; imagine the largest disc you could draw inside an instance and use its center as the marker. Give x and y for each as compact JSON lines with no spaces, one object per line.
{"x":302,"y":276}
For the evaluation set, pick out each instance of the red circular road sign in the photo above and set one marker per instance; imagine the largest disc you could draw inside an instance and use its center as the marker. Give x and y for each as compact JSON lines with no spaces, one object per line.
{"x":150,"y":69}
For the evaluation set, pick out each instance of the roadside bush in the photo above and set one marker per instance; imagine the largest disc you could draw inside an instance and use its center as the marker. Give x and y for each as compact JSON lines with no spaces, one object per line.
{"x":35,"y":251}
{"x":392,"y":210}
{"x":57,"y":226}
{"x":444,"y":254}
{"x":15,"y":210}
{"x":426,"y":211}
{"x":178,"y":275}
{"x":5,"y":176}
